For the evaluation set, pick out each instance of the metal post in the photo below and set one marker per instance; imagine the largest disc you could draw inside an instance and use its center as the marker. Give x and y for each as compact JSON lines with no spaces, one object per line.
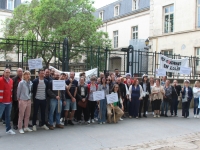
{"x":65,"y":63}
{"x":98,"y":52}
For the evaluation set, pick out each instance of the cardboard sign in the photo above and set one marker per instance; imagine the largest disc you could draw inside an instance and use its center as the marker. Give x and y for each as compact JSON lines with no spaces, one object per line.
{"x":111,"y":98}
{"x":58,"y":85}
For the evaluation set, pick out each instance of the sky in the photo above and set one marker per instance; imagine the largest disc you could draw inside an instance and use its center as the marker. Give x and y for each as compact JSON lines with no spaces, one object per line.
{"x":101,"y":3}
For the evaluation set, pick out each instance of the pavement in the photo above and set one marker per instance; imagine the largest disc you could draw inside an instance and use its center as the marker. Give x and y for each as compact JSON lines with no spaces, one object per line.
{"x":172,"y":133}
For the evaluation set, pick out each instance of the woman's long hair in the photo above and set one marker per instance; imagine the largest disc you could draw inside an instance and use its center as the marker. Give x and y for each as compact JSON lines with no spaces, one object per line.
{"x":118,"y":92}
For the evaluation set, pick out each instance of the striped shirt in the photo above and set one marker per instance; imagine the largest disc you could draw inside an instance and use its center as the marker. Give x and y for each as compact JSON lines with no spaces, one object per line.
{"x":40,"y":94}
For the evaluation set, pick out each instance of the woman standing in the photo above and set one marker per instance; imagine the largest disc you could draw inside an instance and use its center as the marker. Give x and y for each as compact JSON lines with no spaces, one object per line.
{"x":24,"y":98}
{"x":126,"y":103}
{"x":196,"y":92}
{"x":187,"y":95}
{"x":103,"y":103}
{"x":152,"y":84}
{"x":176,"y":90}
{"x":92,"y":87}
{"x":115,"y":106}
{"x":158,"y":93}
{"x":135,"y":91}
{"x":82,"y":107}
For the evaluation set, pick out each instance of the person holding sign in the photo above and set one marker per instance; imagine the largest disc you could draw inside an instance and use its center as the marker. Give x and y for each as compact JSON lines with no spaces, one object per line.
{"x":118,"y":113}
{"x":103,"y":102}
{"x":54,"y":99}
{"x":187,"y":95}
{"x":196,"y":93}
{"x":92,"y":87}
{"x":158,"y":94}
{"x":135,"y":97}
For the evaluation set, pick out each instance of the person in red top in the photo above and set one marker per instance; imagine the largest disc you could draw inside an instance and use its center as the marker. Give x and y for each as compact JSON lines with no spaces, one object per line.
{"x":6,"y":87}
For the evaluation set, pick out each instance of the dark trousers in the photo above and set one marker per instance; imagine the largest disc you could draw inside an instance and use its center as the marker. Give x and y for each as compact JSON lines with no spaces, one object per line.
{"x":143,"y":103}
{"x":42,"y":105}
{"x":85,"y":112}
{"x":126,"y":105}
{"x":174,"y":106}
{"x":91,"y":105}
{"x":3,"y":116}
{"x":15,"y":113}
{"x":185,"y":108}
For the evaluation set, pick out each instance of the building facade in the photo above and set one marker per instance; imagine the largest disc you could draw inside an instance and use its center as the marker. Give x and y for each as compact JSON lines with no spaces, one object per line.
{"x":124,"y":20}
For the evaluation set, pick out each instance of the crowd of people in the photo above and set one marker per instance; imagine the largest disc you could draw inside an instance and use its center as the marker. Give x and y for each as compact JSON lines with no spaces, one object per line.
{"x":56,"y":109}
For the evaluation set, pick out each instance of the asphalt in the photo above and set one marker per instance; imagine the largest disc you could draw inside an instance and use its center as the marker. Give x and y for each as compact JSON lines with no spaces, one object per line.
{"x":95,"y":136}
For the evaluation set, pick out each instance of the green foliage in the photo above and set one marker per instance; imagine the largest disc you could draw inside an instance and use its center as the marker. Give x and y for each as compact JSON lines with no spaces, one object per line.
{"x":53,"y":20}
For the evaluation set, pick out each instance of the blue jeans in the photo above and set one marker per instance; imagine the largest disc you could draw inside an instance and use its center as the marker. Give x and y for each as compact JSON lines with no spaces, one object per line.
{"x":196,"y":104}
{"x":102,"y":111}
{"x":164,"y":107}
{"x":7,"y":108}
{"x":53,"y":108}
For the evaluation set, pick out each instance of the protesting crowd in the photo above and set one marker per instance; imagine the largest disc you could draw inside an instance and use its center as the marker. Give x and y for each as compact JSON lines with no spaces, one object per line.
{"x":55,"y":109}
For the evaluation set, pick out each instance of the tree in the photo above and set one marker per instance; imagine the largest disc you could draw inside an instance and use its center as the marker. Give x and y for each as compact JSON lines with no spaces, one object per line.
{"x":52,"y":21}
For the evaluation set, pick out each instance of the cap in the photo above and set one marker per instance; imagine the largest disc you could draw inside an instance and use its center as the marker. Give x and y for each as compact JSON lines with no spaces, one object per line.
{"x":144,"y":75}
{"x":128,"y":74}
{"x":186,"y":81}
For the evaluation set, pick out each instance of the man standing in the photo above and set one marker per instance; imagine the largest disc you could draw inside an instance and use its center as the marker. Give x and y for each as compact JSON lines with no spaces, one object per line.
{"x":16,"y":81}
{"x":71,"y":98}
{"x":164,"y":78}
{"x":47,"y":75}
{"x":6,"y":87}
{"x":54,"y":97}
{"x":40,"y":86}
{"x":52,"y":72}
{"x":117,"y":73}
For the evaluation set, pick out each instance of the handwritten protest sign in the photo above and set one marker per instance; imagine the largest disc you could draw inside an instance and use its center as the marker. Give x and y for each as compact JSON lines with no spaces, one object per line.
{"x":59,"y":84}
{"x":185,"y":70}
{"x":111,"y":98}
{"x":160,"y":72}
{"x":35,"y":64}
{"x":98,"y":95}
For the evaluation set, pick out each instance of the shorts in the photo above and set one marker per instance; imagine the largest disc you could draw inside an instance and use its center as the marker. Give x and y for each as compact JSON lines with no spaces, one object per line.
{"x":69,"y":104}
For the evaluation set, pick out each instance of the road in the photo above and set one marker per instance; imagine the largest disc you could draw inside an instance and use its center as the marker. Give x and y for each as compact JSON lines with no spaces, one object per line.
{"x":144,"y":133}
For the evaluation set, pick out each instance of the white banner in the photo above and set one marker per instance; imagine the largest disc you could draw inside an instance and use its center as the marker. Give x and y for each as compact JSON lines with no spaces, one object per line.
{"x":160,"y":72}
{"x":172,"y":65}
{"x":88,"y":73}
{"x":35,"y":64}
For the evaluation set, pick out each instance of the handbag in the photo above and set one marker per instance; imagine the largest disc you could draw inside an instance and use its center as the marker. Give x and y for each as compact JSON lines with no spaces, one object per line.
{"x":82,"y":104}
{"x":179,"y":97}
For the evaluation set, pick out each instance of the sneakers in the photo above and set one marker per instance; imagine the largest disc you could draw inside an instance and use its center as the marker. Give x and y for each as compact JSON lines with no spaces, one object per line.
{"x":104,"y":122}
{"x":153,"y":113}
{"x":188,"y":117}
{"x":45,"y":127}
{"x":88,"y":122}
{"x":96,"y":119}
{"x":51,"y":127}
{"x":34,"y":128}
{"x":130,"y":117}
{"x":121,"y":119}
{"x":11,"y":132}
{"x":198,"y":116}
{"x":158,"y":116}
{"x":21,"y":131}
{"x":100,"y":122}
{"x":59,"y":126}
{"x":154,"y":116}
{"x":195,"y":116}
{"x":27,"y":130}
{"x":70,"y":122}
{"x":93,"y":121}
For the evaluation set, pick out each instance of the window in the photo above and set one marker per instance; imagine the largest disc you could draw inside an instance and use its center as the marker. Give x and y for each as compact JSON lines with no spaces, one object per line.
{"x":169,"y":19}
{"x":10,"y":4}
{"x":198,"y":13}
{"x":198,"y":56}
{"x":167,"y":53}
{"x":116,"y":10}
{"x":134,"y":4}
{"x":115,"y":39}
{"x":101,"y":15}
{"x":135,"y":32}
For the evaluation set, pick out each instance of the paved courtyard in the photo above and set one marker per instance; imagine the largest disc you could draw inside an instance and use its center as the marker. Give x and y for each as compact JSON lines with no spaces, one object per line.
{"x":172,"y":133}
